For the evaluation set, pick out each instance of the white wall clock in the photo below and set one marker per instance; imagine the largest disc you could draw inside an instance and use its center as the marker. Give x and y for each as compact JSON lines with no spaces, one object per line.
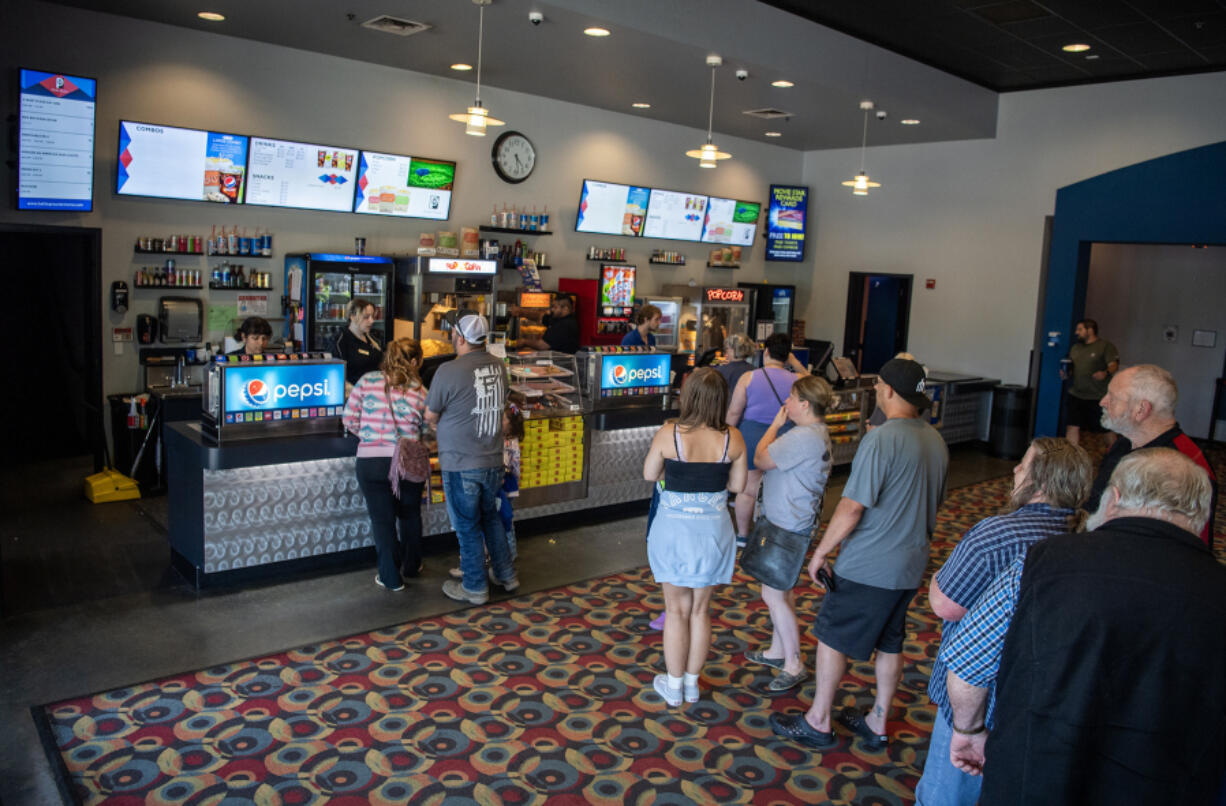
{"x":514,"y":157}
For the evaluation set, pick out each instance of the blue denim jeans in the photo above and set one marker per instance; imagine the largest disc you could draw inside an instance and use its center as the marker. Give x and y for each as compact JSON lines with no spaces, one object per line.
{"x":943,"y":784}
{"x":473,"y":506}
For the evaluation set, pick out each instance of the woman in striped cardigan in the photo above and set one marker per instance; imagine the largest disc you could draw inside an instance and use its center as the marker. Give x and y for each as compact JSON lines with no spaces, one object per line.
{"x":384,"y":406}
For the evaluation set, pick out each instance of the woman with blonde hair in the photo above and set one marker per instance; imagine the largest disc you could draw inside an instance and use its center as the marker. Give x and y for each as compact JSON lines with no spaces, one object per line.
{"x":385,"y":406}
{"x":690,"y":543}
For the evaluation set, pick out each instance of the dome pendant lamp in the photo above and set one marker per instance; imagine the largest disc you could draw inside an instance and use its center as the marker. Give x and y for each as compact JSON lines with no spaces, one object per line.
{"x":708,"y":156}
{"x":860,"y":183}
{"x":477,"y":117}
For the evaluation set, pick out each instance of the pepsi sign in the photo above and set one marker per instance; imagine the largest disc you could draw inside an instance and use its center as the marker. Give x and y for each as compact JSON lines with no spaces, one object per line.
{"x":268,"y":387}
{"x":634,"y":371}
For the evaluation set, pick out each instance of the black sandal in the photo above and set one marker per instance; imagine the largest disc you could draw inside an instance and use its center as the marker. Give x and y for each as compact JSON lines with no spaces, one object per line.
{"x":854,"y":721}
{"x":797,"y":728}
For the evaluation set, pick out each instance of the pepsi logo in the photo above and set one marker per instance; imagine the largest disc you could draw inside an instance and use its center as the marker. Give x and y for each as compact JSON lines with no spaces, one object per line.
{"x":620,"y":374}
{"x":256,"y":392}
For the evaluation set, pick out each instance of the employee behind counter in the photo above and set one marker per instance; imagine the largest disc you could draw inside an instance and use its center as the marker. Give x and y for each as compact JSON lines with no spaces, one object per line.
{"x":360,"y":351}
{"x":561,"y":327}
{"x":254,"y":333}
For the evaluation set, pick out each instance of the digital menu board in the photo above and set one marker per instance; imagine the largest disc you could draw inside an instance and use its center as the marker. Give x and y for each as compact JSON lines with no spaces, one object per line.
{"x":675,"y":215}
{"x":610,"y":209}
{"x":785,"y":225}
{"x":55,"y":157}
{"x":303,"y":175}
{"x":731,"y":222}
{"x":409,"y":187}
{"x":168,"y":162}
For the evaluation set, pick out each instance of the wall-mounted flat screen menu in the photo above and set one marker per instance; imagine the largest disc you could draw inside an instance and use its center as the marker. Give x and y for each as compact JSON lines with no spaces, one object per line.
{"x":606,"y":208}
{"x":303,"y":175}
{"x":674,"y":215}
{"x":731,"y":222}
{"x":409,"y":187}
{"x":172,"y":163}
{"x":785,"y":225}
{"x":55,"y":157}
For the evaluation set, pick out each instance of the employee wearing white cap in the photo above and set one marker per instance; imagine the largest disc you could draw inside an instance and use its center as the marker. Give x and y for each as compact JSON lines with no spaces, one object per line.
{"x":465,"y":406}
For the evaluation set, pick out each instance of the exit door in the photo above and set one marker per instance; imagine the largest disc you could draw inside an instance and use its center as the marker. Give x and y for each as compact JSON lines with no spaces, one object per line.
{"x":878,"y":318}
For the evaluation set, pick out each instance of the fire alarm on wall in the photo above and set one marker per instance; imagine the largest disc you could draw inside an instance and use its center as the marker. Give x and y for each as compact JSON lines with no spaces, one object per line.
{"x":930,"y":283}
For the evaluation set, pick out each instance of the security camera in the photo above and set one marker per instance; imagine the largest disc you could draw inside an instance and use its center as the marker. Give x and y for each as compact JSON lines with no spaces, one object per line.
{"x":741,"y":75}
{"x":881,"y":114}
{"x":535,"y":17}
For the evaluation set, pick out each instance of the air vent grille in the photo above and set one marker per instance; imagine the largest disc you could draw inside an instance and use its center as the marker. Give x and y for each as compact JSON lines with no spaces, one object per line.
{"x":395,"y":25}
{"x":767,"y":114}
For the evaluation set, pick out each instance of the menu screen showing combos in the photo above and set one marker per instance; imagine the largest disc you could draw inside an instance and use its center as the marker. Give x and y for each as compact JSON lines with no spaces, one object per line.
{"x":606,"y":208}
{"x":283,"y":391}
{"x":167,"y":162}
{"x":56,"y":142}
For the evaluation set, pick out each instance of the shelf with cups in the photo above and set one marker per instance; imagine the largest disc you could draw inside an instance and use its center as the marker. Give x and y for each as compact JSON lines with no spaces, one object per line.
{"x":509,"y":231}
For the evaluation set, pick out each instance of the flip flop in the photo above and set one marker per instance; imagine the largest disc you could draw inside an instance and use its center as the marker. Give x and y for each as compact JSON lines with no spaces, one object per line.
{"x":755,"y":656}
{"x":798,"y":729}
{"x":854,"y":721}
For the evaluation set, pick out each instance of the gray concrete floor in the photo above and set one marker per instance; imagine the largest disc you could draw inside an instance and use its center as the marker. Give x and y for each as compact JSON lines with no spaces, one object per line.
{"x":90,"y":601}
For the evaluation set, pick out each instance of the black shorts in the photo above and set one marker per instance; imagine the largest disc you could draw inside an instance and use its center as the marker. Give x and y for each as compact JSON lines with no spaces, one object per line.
{"x":855,"y":619}
{"x":1085,"y":414}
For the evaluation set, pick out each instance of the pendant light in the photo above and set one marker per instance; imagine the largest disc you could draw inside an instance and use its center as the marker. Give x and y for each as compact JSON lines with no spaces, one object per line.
{"x":860,"y":183}
{"x":708,"y":156}
{"x":477,"y":117}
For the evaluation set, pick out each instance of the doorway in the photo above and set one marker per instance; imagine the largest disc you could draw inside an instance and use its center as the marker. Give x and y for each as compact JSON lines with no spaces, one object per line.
{"x":878,"y":318}
{"x":54,"y":336}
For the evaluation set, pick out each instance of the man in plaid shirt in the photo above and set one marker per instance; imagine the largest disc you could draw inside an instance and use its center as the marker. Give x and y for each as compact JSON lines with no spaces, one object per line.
{"x":1049,"y":484}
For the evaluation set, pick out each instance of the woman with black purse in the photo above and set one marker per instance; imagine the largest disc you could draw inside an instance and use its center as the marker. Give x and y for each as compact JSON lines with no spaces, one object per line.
{"x":385,"y":409}
{"x":797,"y":467}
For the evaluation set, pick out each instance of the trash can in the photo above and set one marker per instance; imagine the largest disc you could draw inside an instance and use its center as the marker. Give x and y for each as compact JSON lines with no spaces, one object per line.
{"x":126,"y":442}
{"x":1009,"y":435}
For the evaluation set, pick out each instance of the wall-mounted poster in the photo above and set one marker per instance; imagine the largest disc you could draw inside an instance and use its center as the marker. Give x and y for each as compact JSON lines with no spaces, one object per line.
{"x":785,"y":226}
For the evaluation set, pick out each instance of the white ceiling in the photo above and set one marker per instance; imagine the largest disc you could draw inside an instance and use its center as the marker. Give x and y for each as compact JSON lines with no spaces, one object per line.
{"x":656,"y":53}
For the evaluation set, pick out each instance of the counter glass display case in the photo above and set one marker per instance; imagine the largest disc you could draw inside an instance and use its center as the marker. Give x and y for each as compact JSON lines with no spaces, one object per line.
{"x":546,"y":382}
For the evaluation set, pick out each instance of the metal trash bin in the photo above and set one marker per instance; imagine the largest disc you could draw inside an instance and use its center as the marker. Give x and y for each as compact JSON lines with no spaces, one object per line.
{"x":1009,"y":434}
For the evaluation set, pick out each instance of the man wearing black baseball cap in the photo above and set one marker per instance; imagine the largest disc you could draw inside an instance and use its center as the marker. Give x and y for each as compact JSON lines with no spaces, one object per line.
{"x":884,"y":522}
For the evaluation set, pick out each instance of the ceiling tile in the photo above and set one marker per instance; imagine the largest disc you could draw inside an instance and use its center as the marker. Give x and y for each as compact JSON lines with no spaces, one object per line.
{"x":1199,"y":31}
{"x":1092,"y":15}
{"x":1138,"y":38}
{"x":1167,"y":9}
{"x":1175,"y":60}
{"x":1011,"y":11}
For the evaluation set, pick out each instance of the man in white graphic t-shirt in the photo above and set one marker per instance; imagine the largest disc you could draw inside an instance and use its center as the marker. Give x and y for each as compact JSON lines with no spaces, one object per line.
{"x":465,"y":404}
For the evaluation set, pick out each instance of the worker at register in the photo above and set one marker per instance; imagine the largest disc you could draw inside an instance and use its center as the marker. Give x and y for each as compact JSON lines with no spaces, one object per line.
{"x":561,"y":327}
{"x":254,"y":333}
{"x":646,"y":323}
{"x":362,"y":354}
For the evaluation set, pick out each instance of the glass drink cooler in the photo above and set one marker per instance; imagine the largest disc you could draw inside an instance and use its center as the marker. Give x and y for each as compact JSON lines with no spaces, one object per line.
{"x":329,"y":283}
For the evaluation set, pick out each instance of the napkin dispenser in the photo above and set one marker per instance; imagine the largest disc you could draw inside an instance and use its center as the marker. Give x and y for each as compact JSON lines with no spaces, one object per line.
{"x":180,"y":320}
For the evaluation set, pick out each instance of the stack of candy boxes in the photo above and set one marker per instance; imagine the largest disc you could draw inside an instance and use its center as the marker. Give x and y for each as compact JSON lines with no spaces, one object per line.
{"x":552,"y":452}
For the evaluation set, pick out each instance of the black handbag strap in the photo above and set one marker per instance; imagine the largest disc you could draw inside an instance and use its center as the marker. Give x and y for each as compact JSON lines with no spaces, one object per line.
{"x":772,"y":385}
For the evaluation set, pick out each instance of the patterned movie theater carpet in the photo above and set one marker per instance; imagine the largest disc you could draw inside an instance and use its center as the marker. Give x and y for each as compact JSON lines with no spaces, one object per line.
{"x":544,"y":698}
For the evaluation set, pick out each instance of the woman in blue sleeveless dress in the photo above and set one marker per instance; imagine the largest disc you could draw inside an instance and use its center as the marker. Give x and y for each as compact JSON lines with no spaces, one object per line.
{"x":691,"y":544}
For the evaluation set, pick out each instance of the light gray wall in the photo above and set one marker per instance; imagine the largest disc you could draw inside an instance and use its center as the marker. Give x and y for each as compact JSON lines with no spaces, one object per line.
{"x":171,"y":75}
{"x":1135,"y":291}
{"x":970,"y":214}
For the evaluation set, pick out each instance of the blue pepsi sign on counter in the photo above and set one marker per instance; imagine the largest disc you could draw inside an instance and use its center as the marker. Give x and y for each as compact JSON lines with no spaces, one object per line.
{"x":317,"y":389}
{"x":644,"y":374}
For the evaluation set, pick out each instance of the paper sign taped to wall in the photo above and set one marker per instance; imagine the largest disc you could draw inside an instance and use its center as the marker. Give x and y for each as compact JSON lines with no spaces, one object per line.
{"x":220,"y":317}
{"x":252,"y":304}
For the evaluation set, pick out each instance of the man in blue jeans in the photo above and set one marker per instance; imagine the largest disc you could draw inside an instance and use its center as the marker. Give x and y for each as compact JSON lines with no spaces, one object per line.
{"x":465,"y":405}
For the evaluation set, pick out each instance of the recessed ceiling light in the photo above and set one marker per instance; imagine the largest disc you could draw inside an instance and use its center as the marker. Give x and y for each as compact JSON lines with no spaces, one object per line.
{"x":211,"y":16}
{"x":641,"y":105}
{"x":461,"y":66}
{"x":1076,"y":47}
{"x":594,"y":31}
{"x":782,"y":83}
{"x":773,"y":134}
{"x":909,"y":121}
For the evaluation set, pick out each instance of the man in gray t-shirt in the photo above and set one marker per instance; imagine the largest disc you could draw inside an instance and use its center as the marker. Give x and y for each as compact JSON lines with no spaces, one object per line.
{"x":884,"y":521}
{"x":465,"y":404}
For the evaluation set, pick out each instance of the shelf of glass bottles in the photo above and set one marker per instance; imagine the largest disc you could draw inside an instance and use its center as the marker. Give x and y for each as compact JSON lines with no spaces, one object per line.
{"x":664,"y":257}
{"x":616,"y":253}
{"x":511,"y":231}
{"x":166,"y":277}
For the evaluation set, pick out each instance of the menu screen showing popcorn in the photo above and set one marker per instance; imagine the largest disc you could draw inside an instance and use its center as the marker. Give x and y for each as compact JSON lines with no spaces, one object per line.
{"x":409,"y":187}
{"x":302,"y":175}
{"x":173,"y":163}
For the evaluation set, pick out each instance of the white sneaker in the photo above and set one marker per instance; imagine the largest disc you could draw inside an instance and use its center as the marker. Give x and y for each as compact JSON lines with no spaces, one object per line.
{"x":691,"y":692}
{"x":671,"y":696}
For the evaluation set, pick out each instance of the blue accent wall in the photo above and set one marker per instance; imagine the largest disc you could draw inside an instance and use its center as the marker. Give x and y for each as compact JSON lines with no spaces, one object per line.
{"x":1176,"y":199}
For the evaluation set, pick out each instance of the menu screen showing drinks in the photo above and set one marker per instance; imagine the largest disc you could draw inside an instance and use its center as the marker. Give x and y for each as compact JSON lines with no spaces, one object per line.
{"x":56,"y":142}
{"x":616,"y":292}
{"x":731,"y":222}
{"x":609,"y":209}
{"x":785,"y":224}
{"x":172,"y":163}
{"x":674,"y":215}
{"x":302,"y":175}
{"x":409,"y":187}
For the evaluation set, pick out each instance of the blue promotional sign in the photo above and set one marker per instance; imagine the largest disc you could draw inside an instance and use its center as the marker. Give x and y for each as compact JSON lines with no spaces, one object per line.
{"x":55,"y":135}
{"x":634,"y":371}
{"x":259,"y":387}
{"x":785,"y":226}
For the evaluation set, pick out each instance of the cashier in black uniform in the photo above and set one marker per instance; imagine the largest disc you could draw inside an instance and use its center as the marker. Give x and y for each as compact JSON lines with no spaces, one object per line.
{"x":254,"y":333}
{"x":646,"y":323}
{"x":362,"y":354}
{"x":561,"y":328}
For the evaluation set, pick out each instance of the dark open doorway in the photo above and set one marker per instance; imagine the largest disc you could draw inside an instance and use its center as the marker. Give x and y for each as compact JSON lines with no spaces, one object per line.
{"x":878,"y":318}
{"x":53,"y":281}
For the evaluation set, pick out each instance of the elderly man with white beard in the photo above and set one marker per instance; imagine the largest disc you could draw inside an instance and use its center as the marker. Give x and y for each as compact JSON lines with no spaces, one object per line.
{"x":1094,"y":669}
